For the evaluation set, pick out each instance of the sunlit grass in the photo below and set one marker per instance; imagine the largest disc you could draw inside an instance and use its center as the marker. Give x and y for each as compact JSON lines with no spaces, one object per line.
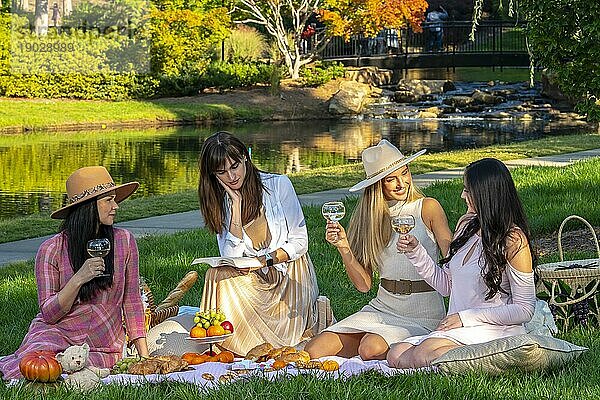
{"x":44,"y":113}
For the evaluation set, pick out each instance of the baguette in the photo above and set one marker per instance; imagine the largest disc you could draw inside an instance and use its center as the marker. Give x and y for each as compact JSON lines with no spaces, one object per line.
{"x":177,"y":294}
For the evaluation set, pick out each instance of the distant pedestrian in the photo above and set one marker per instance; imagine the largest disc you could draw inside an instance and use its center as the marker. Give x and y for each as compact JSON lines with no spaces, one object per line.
{"x":434,"y":25}
{"x":55,"y":15}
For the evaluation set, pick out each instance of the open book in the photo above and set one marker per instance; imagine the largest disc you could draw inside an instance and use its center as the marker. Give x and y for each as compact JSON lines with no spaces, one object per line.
{"x":236,"y":262}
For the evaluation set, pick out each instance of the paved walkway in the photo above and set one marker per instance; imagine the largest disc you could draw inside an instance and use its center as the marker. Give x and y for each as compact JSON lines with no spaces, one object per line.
{"x":168,"y":224}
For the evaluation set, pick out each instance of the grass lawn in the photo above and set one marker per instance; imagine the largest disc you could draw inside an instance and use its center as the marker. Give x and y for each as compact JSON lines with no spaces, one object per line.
{"x":43,"y":113}
{"x":309,"y":181}
{"x":165,"y":259}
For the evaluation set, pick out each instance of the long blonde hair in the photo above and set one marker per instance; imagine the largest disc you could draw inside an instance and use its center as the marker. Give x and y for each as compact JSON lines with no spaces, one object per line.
{"x":370,"y":229}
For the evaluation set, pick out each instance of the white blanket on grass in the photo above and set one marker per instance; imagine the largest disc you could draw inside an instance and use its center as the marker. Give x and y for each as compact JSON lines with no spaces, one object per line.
{"x":198,"y":375}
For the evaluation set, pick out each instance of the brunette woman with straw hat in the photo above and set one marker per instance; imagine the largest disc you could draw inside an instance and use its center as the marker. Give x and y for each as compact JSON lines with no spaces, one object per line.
{"x":405,"y":304}
{"x":84,"y":299}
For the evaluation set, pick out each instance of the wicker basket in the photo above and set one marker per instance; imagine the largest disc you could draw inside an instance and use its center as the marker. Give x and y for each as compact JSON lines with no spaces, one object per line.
{"x":571,"y":287}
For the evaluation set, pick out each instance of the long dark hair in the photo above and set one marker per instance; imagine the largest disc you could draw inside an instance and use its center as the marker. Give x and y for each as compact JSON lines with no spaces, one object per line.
{"x":79,"y":226}
{"x":211,"y":194}
{"x":499,"y":210}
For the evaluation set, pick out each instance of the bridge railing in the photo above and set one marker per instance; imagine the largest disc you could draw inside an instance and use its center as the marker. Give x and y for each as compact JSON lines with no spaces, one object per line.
{"x":490,"y":37}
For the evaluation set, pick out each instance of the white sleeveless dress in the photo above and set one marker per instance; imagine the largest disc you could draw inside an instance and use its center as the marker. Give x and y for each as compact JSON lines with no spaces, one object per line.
{"x":397,"y":316}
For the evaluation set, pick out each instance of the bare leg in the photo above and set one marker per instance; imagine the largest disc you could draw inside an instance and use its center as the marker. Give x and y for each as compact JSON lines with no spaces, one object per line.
{"x":399,"y":354}
{"x":334,"y":344}
{"x":421,"y":355}
{"x":372,"y":347}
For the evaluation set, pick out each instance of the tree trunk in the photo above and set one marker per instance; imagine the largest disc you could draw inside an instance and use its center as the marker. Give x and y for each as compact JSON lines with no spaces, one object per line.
{"x":67,"y":8}
{"x":41,"y":17}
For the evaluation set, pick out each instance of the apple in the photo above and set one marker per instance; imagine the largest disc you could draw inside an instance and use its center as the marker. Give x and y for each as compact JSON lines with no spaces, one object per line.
{"x":228,"y":326}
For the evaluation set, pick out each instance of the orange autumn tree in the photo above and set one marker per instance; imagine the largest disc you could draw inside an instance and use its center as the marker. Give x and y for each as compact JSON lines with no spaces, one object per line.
{"x":285,"y":20}
{"x":368,"y":17}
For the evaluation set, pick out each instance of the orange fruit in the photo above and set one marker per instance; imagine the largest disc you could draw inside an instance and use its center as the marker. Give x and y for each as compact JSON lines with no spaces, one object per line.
{"x":279,"y":364}
{"x":225,"y":357}
{"x":189,"y":358}
{"x":330,"y":365}
{"x":215,"y":330}
{"x":198,"y":332}
{"x":200,"y":358}
{"x":211,"y":359}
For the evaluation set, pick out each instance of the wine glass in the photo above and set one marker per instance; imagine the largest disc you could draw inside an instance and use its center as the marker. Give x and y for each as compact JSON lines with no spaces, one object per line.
{"x":99,"y":248}
{"x":403,"y":224}
{"x":333,"y":211}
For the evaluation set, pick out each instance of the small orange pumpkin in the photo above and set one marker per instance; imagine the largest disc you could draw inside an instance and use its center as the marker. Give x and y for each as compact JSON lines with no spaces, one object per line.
{"x":40,"y":366}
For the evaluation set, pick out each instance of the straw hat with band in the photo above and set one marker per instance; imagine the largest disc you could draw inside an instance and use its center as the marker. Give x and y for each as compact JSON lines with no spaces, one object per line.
{"x":380,"y":161}
{"x":90,"y":182}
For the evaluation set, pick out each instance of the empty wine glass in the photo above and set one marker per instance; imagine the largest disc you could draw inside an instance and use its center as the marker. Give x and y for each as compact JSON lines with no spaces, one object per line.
{"x":333,"y":211}
{"x":403,"y":224}
{"x":99,"y":248}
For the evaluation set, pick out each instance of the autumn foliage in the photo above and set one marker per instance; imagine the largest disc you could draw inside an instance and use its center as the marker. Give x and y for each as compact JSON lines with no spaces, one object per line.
{"x":368,"y":17}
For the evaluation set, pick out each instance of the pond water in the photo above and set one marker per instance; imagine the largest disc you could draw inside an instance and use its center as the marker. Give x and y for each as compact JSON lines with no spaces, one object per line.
{"x":33,"y":167}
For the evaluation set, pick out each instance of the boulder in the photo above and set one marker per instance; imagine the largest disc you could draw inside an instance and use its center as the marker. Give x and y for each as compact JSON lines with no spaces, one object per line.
{"x":350,"y":99}
{"x":486,"y":98}
{"x":370,"y":75}
{"x":459,"y":101}
{"x":404,"y":96}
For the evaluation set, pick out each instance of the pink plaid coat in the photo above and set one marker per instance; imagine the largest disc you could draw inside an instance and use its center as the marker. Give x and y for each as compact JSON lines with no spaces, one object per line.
{"x":97,"y":322}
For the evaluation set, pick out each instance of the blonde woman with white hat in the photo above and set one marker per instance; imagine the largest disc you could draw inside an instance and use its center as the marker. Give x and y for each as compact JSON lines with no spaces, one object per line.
{"x":405,"y":303}
{"x":85,"y":299}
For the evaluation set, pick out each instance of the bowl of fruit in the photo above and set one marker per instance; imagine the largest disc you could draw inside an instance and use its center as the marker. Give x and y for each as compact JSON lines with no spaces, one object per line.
{"x":211,"y":327}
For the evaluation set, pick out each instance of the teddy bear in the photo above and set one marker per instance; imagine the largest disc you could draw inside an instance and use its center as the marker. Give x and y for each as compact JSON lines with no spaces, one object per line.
{"x":79,"y":375}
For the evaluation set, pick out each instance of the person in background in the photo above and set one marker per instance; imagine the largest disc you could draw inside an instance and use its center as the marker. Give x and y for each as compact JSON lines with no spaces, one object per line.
{"x":256,"y":214}
{"x":405,"y":304}
{"x":434,"y":24}
{"x":488,"y":272}
{"x":84,"y":299}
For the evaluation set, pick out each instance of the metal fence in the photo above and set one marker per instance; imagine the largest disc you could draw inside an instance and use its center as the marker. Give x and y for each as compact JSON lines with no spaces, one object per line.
{"x":452,"y":37}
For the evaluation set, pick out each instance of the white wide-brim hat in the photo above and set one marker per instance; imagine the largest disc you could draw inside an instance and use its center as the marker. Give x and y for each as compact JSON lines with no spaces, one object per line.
{"x":380,"y":161}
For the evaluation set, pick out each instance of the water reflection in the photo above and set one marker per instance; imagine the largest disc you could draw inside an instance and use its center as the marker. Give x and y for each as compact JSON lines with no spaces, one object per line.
{"x":33,"y":167}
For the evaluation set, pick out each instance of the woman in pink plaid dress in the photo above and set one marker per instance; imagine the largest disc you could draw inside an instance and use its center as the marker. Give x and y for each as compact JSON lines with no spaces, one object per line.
{"x":84,"y":299}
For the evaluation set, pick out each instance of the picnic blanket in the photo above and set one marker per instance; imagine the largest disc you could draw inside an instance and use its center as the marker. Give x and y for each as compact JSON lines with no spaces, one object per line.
{"x":214,"y":373}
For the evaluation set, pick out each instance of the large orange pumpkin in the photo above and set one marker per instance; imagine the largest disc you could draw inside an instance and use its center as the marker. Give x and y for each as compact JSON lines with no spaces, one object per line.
{"x":40,"y":366}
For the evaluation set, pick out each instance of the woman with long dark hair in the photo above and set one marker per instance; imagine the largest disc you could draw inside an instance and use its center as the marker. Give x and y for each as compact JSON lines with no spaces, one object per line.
{"x":256,"y":214}
{"x":488,"y":272}
{"x":84,"y":299}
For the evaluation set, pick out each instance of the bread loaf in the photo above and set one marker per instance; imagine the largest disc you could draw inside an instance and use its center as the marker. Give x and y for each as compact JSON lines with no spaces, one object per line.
{"x":177,"y":294}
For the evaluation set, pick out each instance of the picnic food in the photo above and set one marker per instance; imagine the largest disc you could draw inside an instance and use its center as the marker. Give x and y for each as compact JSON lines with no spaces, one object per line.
{"x":228,"y":326}
{"x":300,"y":356}
{"x":260,"y":352}
{"x":158,"y":365}
{"x":180,"y":290}
{"x":40,"y":366}
{"x":122,"y":365}
{"x":214,"y":323}
{"x":225,"y":357}
{"x":215,"y":330}
{"x":198,"y":332}
{"x":279,"y":364}
{"x":330,"y":365}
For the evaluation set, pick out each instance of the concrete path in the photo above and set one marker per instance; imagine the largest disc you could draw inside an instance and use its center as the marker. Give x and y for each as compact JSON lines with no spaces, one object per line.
{"x":168,"y":224}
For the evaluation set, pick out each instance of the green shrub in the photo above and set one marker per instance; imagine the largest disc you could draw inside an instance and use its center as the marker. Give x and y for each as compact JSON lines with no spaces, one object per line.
{"x":79,"y":86}
{"x":232,"y":75}
{"x":321,"y":73}
{"x":245,"y":44}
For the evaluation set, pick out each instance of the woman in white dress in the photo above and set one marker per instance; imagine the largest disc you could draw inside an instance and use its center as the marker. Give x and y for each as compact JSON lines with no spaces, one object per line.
{"x":488,"y":272}
{"x":256,"y":214}
{"x":405,"y":305}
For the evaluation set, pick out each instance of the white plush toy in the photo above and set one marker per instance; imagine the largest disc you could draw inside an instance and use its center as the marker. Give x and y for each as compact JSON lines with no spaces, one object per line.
{"x":74,"y":363}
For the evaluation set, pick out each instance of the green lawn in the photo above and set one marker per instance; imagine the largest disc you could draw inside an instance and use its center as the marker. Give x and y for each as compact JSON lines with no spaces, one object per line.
{"x":549,"y":194}
{"x":314,"y":180}
{"x":46,"y":113}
